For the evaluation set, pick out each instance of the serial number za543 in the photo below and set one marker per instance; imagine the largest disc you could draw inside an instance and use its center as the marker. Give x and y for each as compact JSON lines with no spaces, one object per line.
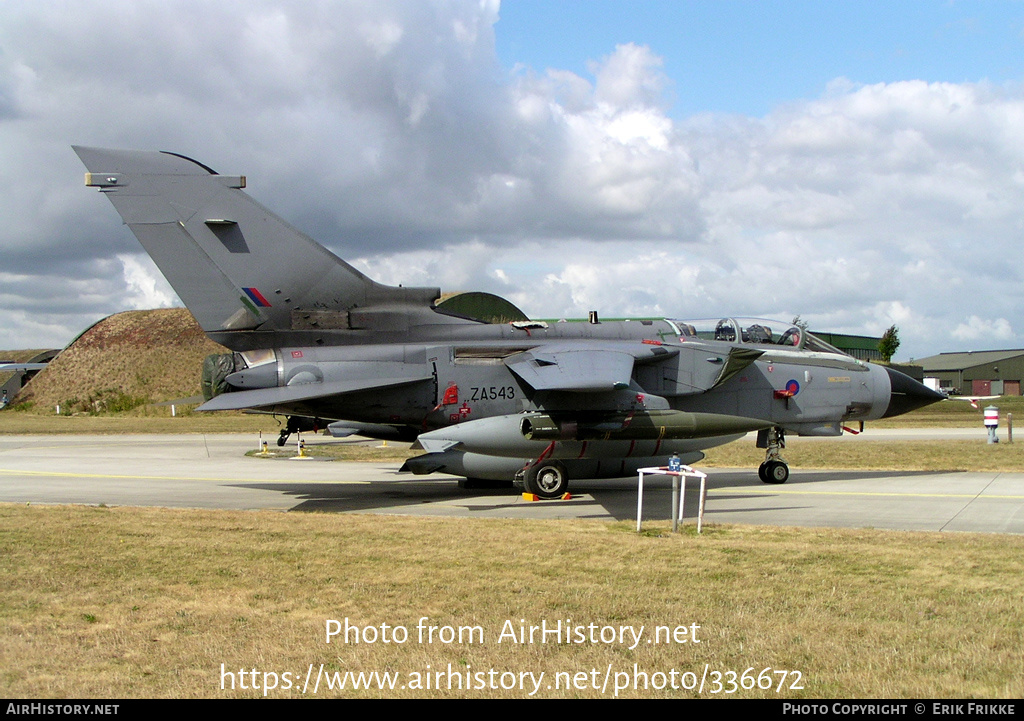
{"x":492,"y":393}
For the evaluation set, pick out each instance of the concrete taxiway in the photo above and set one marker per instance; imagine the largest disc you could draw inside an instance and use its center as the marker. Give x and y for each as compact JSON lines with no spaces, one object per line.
{"x":211,"y":471}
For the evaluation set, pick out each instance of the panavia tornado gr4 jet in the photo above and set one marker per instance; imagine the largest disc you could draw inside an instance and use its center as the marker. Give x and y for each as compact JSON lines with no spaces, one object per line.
{"x":316,"y":340}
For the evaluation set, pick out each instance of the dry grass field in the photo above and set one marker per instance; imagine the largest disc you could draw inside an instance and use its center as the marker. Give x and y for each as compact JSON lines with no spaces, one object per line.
{"x":120,"y":602}
{"x":139,"y":420}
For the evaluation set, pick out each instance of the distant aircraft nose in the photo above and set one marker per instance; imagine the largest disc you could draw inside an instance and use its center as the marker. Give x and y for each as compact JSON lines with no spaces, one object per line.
{"x":907,"y":395}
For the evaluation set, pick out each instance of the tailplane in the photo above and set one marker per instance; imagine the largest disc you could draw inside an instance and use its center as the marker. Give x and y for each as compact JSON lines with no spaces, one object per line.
{"x":236,"y":266}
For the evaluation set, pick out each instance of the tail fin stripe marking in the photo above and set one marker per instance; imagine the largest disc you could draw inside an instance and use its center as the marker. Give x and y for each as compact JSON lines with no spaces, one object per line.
{"x":257,"y":297}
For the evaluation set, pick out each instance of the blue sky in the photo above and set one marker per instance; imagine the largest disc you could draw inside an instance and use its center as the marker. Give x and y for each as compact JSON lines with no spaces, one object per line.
{"x":732,"y":56}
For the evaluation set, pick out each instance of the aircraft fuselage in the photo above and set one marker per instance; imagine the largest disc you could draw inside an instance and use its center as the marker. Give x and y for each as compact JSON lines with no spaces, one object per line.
{"x":312,"y":337}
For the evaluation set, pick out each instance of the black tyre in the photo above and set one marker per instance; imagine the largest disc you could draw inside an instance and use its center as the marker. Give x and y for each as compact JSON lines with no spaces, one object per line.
{"x":547,"y":479}
{"x":775,"y":472}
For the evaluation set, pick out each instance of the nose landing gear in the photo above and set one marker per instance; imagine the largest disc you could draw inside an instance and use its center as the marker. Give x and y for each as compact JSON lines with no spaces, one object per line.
{"x":774,"y":469}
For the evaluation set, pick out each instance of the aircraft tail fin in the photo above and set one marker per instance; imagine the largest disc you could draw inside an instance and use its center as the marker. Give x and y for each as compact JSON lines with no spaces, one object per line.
{"x":235,"y":265}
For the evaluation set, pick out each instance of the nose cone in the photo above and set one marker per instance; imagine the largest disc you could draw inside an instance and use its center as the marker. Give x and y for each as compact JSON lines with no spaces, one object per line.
{"x":907,"y":395}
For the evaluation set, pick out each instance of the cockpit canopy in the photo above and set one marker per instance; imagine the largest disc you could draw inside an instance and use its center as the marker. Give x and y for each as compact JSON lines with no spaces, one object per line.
{"x":753,"y":331}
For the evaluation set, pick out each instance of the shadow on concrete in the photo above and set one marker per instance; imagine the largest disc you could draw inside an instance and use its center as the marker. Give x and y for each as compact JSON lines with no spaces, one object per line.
{"x":592,"y":498}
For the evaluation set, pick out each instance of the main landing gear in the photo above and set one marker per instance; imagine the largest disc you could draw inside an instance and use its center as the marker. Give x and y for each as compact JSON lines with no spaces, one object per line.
{"x":774,"y":468}
{"x":546,"y":479}
{"x":298,"y":424}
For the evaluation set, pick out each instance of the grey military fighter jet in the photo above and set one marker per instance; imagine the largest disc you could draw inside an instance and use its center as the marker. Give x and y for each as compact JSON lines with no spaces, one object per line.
{"x":318,"y":341}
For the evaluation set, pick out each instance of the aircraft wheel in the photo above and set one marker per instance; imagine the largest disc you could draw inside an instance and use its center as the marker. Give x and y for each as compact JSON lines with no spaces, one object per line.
{"x":760,"y":472}
{"x":774,"y":472}
{"x":282,"y":439}
{"x":547,"y":479}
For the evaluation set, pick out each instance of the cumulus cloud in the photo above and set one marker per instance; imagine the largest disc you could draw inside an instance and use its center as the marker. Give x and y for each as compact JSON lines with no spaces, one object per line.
{"x":984,"y":329}
{"x":389,"y":131}
{"x":147,"y":288}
